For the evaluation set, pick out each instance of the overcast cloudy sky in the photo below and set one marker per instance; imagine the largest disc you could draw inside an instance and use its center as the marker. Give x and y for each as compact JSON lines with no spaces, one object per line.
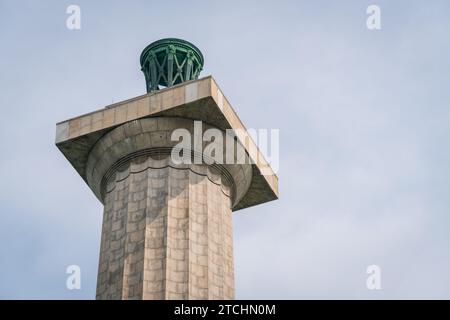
{"x":364,"y":119}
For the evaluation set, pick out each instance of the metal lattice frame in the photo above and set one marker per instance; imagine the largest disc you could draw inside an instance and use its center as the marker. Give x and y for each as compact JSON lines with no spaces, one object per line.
{"x":168,"y":62}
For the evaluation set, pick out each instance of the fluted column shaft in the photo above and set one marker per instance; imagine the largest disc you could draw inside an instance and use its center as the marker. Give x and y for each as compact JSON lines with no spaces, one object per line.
{"x":167,"y":226}
{"x":167,"y":234}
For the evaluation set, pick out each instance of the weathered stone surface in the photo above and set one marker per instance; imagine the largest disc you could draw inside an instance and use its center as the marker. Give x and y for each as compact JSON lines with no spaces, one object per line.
{"x":177,"y":246}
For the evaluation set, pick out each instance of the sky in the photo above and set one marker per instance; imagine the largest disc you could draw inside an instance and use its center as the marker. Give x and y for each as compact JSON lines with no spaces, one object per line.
{"x":364,"y":119}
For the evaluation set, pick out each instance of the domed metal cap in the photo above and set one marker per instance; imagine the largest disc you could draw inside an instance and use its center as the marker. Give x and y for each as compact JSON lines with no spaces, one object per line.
{"x":171,"y":61}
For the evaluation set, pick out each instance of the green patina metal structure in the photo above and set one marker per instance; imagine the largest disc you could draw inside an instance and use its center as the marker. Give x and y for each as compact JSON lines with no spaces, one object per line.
{"x":171,"y":61}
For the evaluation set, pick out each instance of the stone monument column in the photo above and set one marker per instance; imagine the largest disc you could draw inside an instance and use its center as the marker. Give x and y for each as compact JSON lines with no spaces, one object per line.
{"x":167,"y":224}
{"x":167,"y":227}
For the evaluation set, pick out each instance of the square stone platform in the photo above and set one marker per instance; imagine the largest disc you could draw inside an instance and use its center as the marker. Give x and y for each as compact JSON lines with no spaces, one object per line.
{"x":199,"y":99}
